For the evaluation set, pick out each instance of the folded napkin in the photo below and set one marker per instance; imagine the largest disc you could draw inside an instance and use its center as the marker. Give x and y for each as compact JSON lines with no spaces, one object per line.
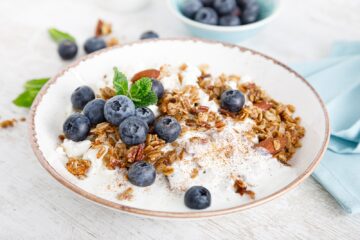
{"x":337,"y":80}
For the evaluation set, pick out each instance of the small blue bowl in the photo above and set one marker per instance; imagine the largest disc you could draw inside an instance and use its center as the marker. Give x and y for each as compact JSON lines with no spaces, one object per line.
{"x":269,"y":9}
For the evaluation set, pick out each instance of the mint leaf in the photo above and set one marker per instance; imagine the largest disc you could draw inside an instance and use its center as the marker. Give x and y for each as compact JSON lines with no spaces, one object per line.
{"x":32,"y":88}
{"x":25,"y":99}
{"x":35,"y":84}
{"x":59,"y":36}
{"x":120,"y":82}
{"x":141,"y":88}
{"x":140,"y":92}
{"x":147,"y":100}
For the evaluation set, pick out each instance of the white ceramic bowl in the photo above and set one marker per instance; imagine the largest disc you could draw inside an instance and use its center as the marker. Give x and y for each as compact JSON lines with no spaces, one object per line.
{"x":48,"y":113}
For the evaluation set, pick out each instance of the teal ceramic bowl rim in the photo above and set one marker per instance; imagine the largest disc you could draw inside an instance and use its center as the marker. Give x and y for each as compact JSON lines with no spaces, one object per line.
{"x":174,"y":9}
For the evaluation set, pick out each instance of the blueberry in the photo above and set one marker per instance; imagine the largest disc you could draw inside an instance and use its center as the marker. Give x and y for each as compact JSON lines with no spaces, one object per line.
{"x":197,"y":197}
{"x":93,"y":44}
{"x":133,"y":131}
{"x":167,"y":128}
{"x":190,"y":7}
{"x":229,"y":21}
{"x":232,"y":100}
{"x":249,"y":16}
{"x":76,"y":127}
{"x":245,"y":3}
{"x":142,"y":174}
{"x":148,"y":35}
{"x":207,"y":3}
{"x":94,"y":111}
{"x":236,"y":12}
{"x":118,"y":108}
{"x":224,"y":7}
{"x":81,"y":96}
{"x":158,"y":88}
{"x":207,"y":15}
{"x":145,"y":114}
{"x":67,"y":49}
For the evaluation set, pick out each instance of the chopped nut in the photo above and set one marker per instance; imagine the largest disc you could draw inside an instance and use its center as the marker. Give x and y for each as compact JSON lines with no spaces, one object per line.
{"x":78,"y":167}
{"x":102,"y":28}
{"x":194,"y":173}
{"x":273,"y":145}
{"x":150,"y":73}
{"x":127,"y":194}
{"x":112,"y":42}
{"x":241,"y":188}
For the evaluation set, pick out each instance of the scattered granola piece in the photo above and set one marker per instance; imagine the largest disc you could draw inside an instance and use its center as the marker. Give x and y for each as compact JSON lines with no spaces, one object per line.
{"x":273,"y":145}
{"x":194,"y":173}
{"x":8,"y":123}
{"x":241,"y":188}
{"x":112,"y":42}
{"x":127,"y":194}
{"x":102,"y":28}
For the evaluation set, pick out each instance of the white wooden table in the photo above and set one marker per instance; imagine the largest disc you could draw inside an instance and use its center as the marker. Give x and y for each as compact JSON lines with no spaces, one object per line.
{"x":34,"y":206}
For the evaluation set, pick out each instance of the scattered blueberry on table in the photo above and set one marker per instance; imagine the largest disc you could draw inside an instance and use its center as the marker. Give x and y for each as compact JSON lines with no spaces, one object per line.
{"x":133,"y":130}
{"x":167,"y":128}
{"x":81,"y":96}
{"x":76,"y":127}
{"x":141,"y":174}
{"x":222,"y":12}
{"x":197,"y":197}
{"x":149,"y":35}
{"x":67,"y":49}
{"x":232,"y":100}
{"x":94,"y":44}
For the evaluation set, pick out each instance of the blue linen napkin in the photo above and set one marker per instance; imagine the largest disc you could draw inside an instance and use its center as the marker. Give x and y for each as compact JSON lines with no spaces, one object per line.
{"x":337,"y":80}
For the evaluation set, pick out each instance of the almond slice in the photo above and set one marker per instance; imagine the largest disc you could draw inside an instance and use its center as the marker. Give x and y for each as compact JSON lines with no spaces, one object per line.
{"x":150,"y":73}
{"x":273,"y":145}
{"x":263,"y":105}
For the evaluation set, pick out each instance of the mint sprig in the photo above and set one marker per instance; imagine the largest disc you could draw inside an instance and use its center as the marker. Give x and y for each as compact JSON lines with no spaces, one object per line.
{"x":32,"y":88}
{"x":59,"y":36}
{"x":140,"y":92}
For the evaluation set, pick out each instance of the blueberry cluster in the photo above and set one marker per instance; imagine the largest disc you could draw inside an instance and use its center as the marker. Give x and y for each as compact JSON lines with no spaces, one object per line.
{"x":133,"y":124}
{"x":222,"y":12}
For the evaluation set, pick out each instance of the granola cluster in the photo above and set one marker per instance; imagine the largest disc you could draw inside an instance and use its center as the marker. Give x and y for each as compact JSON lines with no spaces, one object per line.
{"x":278,"y":131}
{"x":274,"y":127}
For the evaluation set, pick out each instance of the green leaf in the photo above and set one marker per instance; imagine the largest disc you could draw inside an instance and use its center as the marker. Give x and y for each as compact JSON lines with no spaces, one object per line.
{"x":120,"y":82}
{"x":141,"y":88}
{"x":35,"y":84}
{"x":59,"y":36}
{"x":26,"y":98}
{"x":147,"y":100}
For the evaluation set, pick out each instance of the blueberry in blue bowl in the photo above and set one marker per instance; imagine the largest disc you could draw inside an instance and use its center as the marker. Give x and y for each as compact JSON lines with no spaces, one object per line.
{"x":215,"y":22}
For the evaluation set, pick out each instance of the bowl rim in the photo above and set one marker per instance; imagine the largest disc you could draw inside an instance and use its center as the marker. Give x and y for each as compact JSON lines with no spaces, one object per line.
{"x":216,"y":28}
{"x":166,"y":214}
